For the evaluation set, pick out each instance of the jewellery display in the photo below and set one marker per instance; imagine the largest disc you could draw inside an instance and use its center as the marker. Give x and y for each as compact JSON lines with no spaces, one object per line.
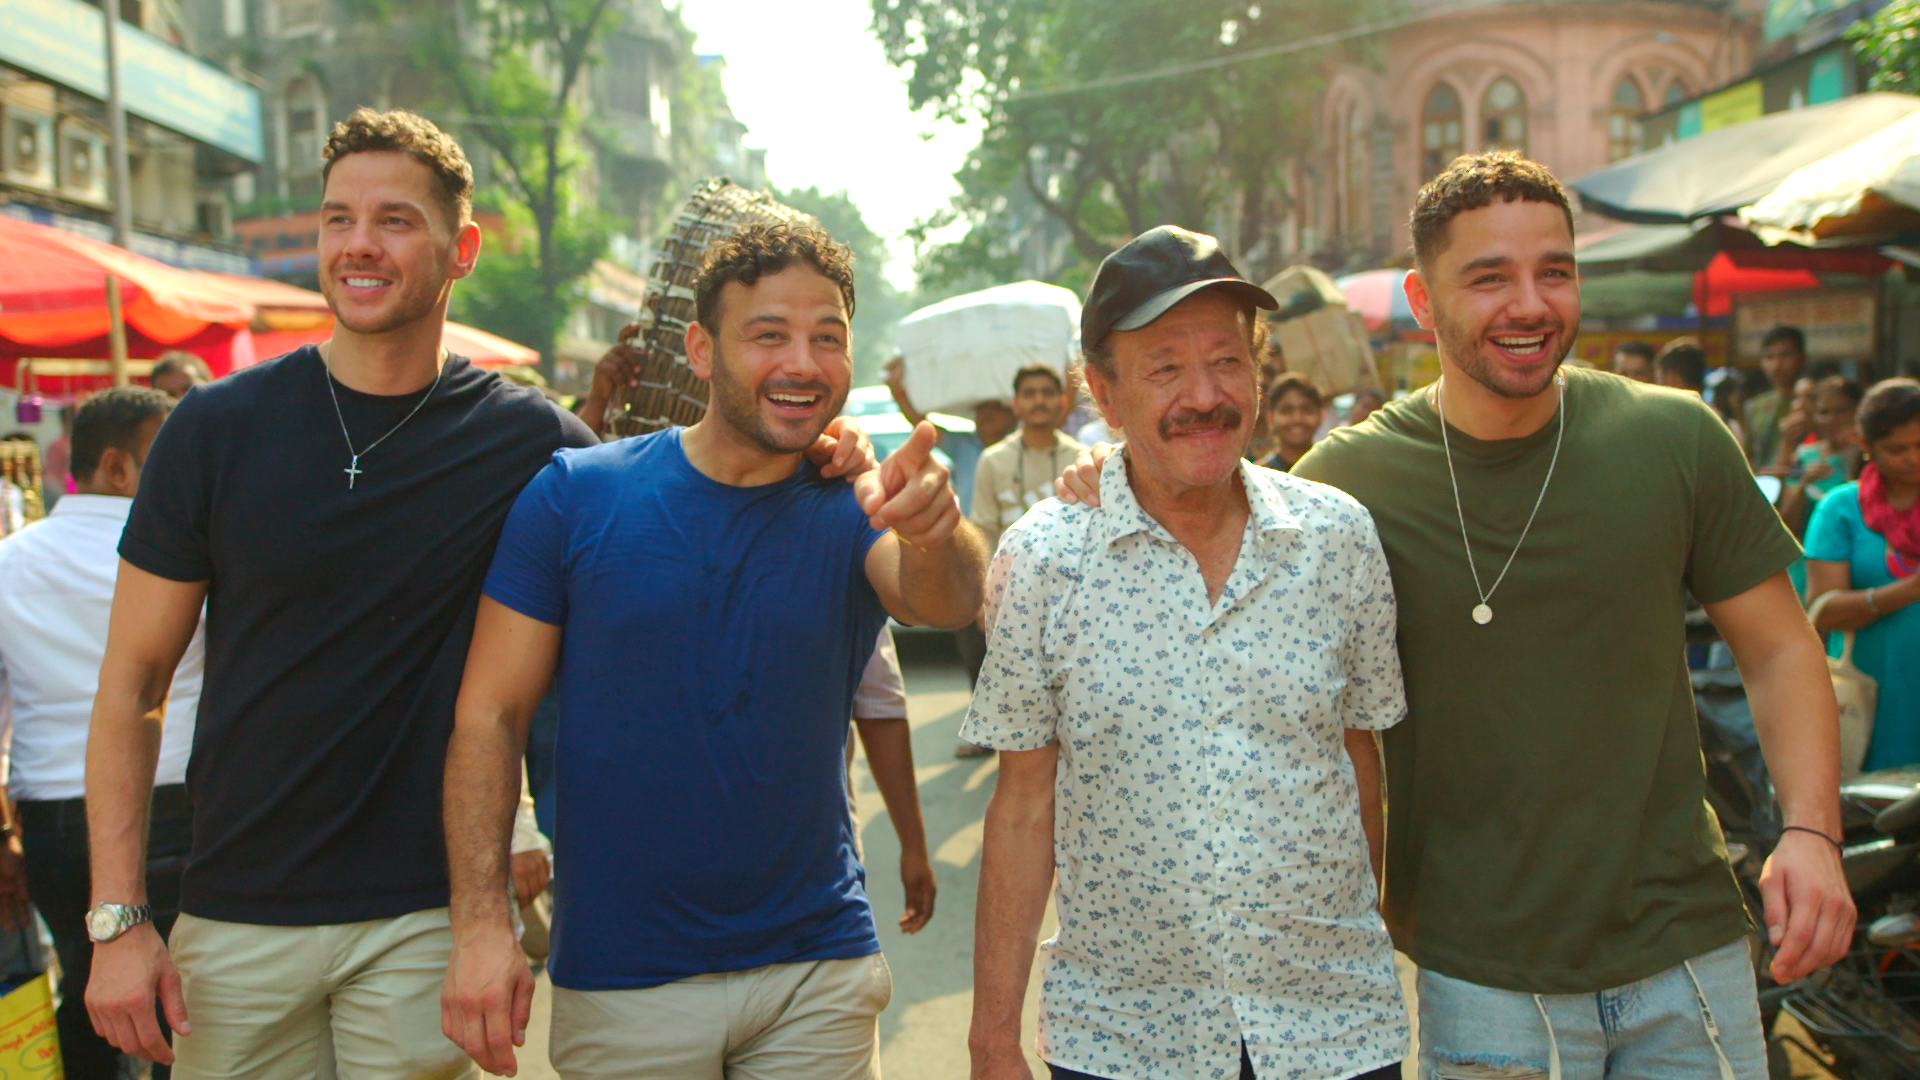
{"x":353,"y":469}
{"x":1483,"y":611}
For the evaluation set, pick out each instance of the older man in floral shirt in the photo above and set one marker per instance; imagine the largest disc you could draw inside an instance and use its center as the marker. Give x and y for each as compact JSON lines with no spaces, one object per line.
{"x":1185,"y":685}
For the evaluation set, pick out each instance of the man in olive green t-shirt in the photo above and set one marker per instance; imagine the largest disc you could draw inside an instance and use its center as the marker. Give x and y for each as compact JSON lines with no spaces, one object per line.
{"x":1552,"y":865}
{"x":1548,"y":829}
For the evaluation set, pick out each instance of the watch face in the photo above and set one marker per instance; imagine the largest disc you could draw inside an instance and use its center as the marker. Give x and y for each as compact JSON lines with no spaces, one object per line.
{"x":102,"y":923}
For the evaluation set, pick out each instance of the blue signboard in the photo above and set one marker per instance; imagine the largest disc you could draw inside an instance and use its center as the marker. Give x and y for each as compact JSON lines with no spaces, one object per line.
{"x":64,"y":41}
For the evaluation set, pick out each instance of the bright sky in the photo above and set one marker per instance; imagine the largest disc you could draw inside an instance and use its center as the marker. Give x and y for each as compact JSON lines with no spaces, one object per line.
{"x":814,"y":89}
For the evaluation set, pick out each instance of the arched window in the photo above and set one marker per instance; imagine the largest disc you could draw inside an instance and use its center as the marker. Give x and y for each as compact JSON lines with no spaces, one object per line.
{"x":1676,"y":93}
{"x":1441,"y":124}
{"x":1624,"y":138}
{"x":1357,"y":164}
{"x":1503,"y":117}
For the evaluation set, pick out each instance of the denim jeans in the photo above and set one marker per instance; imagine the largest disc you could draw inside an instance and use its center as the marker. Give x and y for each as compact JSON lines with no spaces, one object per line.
{"x":1699,"y":1020}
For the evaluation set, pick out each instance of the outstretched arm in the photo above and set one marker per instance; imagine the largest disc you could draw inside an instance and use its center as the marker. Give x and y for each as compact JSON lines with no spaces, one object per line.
{"x":488,"y":996}
{"x":930,"y":569}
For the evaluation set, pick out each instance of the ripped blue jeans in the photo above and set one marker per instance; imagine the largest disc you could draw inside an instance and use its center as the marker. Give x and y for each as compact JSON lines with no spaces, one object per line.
{"x":1698,"y":1021}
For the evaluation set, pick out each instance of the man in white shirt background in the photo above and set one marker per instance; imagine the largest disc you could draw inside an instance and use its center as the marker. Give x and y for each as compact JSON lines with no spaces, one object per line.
{"x":56,"y":594}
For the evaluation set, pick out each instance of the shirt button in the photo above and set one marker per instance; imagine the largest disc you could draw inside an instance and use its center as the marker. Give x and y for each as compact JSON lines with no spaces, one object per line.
{"x":1220,"y":814}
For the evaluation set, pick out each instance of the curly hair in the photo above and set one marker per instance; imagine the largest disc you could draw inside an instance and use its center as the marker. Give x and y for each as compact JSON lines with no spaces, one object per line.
{"x":758,"y":250}
{"x":367,"y":130}
{"x":1474,"y":182}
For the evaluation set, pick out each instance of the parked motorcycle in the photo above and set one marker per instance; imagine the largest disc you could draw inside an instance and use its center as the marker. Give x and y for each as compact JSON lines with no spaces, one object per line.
{"x":1861,"y":1017}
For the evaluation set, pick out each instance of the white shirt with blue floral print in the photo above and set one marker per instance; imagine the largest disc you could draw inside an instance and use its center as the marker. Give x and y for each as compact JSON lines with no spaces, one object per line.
{"x":1212,"y":881}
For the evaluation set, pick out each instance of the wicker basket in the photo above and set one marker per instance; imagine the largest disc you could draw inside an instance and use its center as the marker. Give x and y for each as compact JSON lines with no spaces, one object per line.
{"x":668,"y":392}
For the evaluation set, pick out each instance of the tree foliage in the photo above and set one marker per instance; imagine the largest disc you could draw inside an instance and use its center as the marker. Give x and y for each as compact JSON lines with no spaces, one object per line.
{"x":1889,"y":43}
{"x":510,"y":73}
{"x":1069,"y":126}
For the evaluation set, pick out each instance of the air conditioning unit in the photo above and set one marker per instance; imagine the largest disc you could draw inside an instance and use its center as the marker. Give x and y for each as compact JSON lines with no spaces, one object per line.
{"x":83,"y":163}
{"x":26,"y":157}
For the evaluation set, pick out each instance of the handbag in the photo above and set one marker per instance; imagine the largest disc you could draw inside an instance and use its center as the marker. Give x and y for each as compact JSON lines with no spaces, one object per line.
{"x":29,"y":1043}
{"x":1856,"y":692}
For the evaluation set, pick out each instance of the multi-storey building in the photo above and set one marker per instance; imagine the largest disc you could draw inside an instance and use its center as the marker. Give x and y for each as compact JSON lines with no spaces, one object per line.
{"x":193,"y":129}
{"x":1565,"y":81}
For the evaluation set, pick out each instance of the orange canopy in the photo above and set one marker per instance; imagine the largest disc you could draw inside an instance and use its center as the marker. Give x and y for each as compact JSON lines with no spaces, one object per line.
{"x":53,"y":292}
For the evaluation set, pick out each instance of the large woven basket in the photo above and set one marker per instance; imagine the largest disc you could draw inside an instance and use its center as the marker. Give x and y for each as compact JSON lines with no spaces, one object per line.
{"x":668,"y":392}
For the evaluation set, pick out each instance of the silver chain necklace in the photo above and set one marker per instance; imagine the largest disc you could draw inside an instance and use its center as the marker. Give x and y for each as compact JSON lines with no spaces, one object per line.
{"x":353,"y":469}
{"x":1483,"y":611}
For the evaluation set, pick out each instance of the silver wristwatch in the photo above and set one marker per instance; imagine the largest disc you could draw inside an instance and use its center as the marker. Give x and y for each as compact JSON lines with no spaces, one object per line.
{"x":109,"y":921}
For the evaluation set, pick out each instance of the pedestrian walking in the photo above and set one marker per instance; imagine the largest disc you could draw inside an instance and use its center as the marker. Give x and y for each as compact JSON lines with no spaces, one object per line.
{"x":1552,"y":864}
{"x":334,"y":509}
{"x":56,"y":592}
{"x":709,"y":602}
{"x":1184,"y":686}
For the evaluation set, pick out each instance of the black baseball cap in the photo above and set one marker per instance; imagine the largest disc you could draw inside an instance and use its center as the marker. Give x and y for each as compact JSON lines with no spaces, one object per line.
{"x":1154,"y":271}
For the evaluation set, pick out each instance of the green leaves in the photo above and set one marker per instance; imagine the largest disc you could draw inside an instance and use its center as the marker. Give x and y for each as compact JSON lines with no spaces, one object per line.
{"x":1113,"y":116}
{"x":1889,"y":42}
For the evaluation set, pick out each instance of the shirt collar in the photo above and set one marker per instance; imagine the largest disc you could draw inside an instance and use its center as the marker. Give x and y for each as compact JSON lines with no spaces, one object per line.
{"x":1122,"y":515}
{"x":106,"y":506}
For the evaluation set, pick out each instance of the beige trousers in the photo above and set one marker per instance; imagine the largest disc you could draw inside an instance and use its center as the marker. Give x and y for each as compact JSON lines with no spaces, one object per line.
{"x":360,"y":1000}
{"x":809,"y":1021}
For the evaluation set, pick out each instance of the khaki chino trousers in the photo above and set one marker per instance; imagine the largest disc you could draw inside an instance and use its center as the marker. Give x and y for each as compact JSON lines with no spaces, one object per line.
{"x":805,"y":1021}
{"x":359,"y":1001}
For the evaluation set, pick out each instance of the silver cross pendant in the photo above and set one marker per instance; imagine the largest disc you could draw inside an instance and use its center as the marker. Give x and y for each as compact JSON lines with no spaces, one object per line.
{"x":352,"y":470}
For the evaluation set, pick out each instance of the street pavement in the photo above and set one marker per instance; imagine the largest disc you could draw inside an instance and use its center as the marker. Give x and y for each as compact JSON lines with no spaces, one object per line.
{"x":923,"y":1034}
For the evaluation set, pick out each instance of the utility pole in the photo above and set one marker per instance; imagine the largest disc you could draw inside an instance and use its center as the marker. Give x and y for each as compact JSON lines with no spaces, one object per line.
{"x":121,"y":183}
{"x":120,"y":189}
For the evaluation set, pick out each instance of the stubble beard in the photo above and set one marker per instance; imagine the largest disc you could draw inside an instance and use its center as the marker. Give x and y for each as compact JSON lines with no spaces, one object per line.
{"x":739,"y":407}
{"x":411,"y":306}
{"x":1463,"y":348}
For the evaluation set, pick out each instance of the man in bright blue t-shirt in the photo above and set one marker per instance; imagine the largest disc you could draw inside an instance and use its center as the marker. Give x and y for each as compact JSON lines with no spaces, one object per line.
{"x":718,"y":600}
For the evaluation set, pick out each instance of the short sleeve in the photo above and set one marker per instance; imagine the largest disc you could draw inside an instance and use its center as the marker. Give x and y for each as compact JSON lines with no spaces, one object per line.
{"x":574,"y":432}
{"x":1015,"y":705}
{"x":1830,"y":533}
{"x":1375,"y":697}
{"x":1738,"y":539}
{"x":529,"y":571}
{"x":882,"y":693}
{"x":168,"y":530}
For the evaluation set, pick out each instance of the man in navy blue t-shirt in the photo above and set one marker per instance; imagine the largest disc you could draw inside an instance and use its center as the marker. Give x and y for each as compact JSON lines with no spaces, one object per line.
{"x":717,"y":600}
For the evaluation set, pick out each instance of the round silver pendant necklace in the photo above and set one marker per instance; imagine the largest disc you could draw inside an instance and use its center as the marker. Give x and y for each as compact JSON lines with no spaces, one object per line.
{"x":353,"y":469}
{"x":1483,"y":611}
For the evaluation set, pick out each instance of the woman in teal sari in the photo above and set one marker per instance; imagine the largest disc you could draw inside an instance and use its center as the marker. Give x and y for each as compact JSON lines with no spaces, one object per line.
{"x":1864,"y":543}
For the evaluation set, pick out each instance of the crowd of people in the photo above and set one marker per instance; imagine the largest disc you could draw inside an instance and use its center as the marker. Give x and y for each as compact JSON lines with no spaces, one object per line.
{"x":292,"y":664}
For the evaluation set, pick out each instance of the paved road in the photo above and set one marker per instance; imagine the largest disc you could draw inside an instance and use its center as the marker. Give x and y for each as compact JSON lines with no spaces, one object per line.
{"x":923,"y":1034}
